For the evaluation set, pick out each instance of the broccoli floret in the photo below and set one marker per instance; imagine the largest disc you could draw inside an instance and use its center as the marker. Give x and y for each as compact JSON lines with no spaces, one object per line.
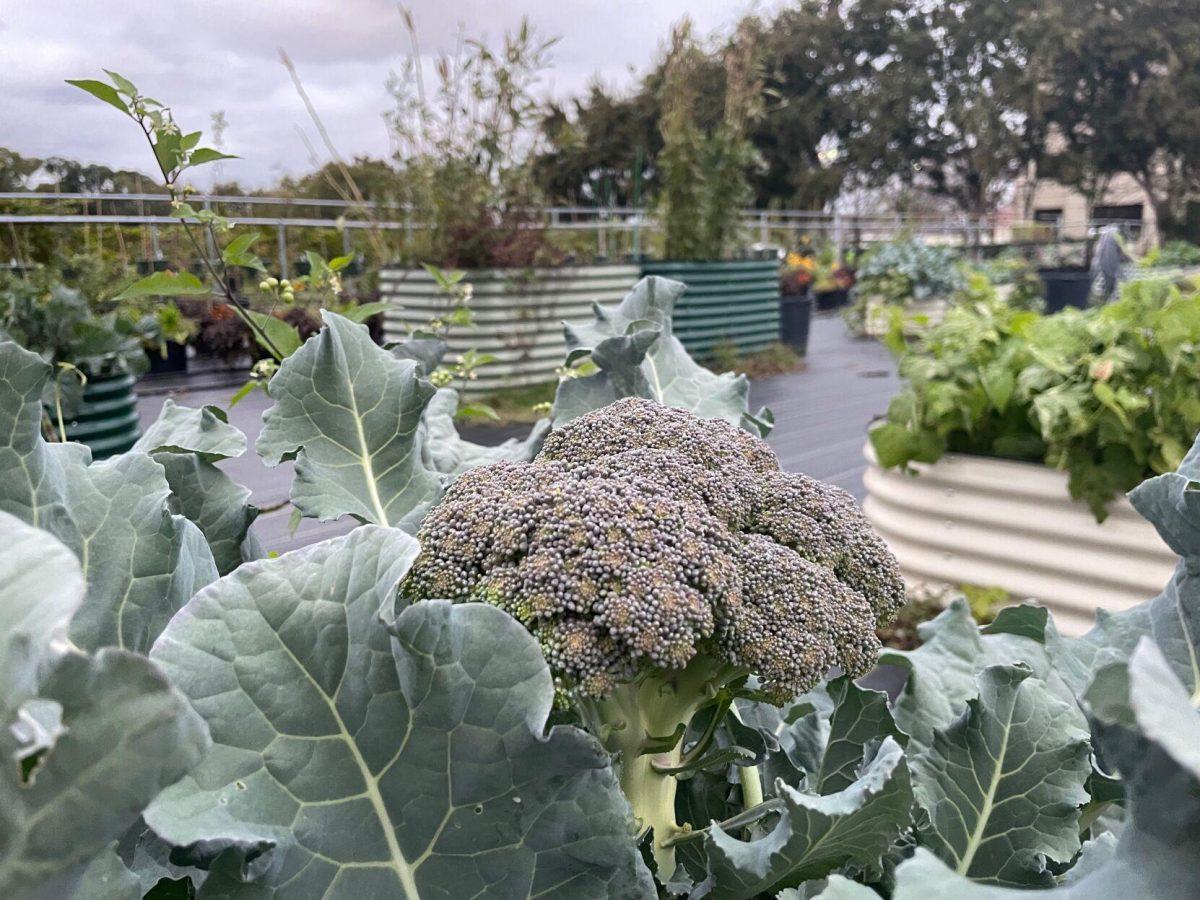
{"x":657,"y":558}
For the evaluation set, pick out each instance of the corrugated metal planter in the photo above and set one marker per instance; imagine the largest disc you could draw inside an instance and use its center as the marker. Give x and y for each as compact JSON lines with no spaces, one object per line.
{"x":996,"y":523}
{"x":107,"y":419}
{"x":735,"y":301}
{"x":519,"y":314}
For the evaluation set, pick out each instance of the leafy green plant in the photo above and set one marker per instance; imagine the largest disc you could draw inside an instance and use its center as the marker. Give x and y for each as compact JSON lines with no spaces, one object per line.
{"x":906,"y":270}
{"x":462,"y":148}
{"x":1108,"y":394}
{"x":705,"y":176}
{"x":1171,"y":254}
{"x":271,"y":704}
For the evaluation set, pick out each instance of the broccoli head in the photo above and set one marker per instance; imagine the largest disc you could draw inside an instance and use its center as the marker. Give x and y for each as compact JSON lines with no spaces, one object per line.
{"x":657,"y":557}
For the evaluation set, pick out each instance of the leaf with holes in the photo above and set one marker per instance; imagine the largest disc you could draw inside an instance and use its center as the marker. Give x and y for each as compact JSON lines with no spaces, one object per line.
{"x":410,"y":760}
{"x":349,"y":413}
{"x":120,"y":732}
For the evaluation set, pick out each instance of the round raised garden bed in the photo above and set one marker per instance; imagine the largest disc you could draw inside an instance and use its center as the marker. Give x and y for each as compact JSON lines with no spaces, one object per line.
{"x":519,"y":315}
{"x":998,"y":523}
{"x":107,"y":419}
{"x":733,"y":301}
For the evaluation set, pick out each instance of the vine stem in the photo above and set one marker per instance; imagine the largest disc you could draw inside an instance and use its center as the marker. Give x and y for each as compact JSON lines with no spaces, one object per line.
{"x":259,"y":332}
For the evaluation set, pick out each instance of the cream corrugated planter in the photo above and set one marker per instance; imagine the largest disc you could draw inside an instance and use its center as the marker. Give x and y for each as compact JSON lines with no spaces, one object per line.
{"x":879,"y":320}
{"x":996,"y":523}
{"x":519,"y":314}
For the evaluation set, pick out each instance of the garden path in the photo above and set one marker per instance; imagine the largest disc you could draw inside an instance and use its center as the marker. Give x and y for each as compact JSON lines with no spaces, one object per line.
{"x":822,"y":415}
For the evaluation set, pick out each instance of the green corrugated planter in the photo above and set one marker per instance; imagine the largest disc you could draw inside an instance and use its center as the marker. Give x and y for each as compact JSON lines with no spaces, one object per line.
{"x":725,"y":301}
{"x":107,"y":420}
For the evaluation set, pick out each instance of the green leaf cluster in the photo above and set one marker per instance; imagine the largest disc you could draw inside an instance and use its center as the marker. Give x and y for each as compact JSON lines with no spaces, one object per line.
{"x":1108,"y":394}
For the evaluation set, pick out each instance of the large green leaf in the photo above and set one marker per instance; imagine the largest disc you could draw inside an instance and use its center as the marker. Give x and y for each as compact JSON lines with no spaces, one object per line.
{"x":122,"y":732}
{"x":40,"y":589}
{"x":446,"y":452}
{"x":1172,"y":619}
{"x":140,"y":561}
{"x":1003,"y":784}
{"x":405,"y":762}
{"x":860,"y":717}
{"x":942,"y":672}
{"x":637,"y":355}
{"x":349,"y":413}
{"x":188,"y":443}
{"x":815,"y":834}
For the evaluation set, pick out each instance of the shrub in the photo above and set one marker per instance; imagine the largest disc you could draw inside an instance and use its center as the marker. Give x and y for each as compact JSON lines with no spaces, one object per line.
{"x":1110,"y":394}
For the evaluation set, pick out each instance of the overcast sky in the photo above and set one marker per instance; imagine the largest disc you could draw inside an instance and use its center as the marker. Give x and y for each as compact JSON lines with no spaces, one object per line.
{"x":206,"y":55}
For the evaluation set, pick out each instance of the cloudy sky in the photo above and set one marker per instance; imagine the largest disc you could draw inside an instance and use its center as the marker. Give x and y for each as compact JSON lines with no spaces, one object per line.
{"x":206,"y":55}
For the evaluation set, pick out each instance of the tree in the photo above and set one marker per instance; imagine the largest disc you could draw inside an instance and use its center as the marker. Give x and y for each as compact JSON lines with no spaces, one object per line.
{"x":1121,"y":88}
{"x":942,"y":96}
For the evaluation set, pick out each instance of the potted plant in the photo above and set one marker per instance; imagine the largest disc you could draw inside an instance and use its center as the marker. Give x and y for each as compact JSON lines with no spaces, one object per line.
{"x":795,"y":300}
{"x":1025,"y":431}
{"x":733,"y":294}
{"x":165,"y":332}
{"x":96,"y":359}
{"x":465,"y":174}
{"x":909,"y":275}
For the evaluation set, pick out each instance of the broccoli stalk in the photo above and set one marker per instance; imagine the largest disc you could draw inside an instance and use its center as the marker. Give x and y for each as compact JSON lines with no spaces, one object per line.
{"x":642,"y":723}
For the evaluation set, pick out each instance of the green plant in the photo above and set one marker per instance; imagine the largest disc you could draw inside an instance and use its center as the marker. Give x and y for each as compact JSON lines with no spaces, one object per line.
{"x":635,"y":548}
{"x":1109,"y":394}
{"x":463,"y":154}
{"x":705,"y":176}
{"x":1171,"y":254}
{"x":235,"y":715}
{"x":907,"y":270}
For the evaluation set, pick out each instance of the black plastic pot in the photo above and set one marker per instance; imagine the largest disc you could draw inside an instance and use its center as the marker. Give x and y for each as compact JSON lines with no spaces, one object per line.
{"x":832,"y":299}
{"x":1066,"y":287}
{"x":175,"y":361}
{"x":795,"y":312}
{"x":147,"y":266}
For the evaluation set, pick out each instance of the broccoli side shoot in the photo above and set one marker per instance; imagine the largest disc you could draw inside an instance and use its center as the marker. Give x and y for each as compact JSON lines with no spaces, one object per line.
{"x":658,"y":557}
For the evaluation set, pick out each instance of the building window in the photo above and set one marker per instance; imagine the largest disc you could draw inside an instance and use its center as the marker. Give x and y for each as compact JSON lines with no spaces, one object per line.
{"x":1131,"y":212}
{"x":1048,"y":216}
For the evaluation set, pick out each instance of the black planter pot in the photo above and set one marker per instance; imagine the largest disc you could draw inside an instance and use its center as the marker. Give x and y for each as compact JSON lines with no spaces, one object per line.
{"x":1066,"y":287}
{"x":795,"y":312}
{"x":827,"y":300}
{"x":147,"y":266}
{"x":175,"y":361}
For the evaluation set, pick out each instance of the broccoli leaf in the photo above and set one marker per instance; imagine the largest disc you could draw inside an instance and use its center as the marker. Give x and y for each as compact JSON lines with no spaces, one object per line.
{"x":409,"y":760}
{"x":1004,"y":783}
{"x":814,"y":835}
{"x":638,"y":356}
{"x":446,"y":452}
{"x":123,"y":733}
{"x":182,"y":429}
{"x":140,"y":561}
{"x":348,"y":412}
{"x":860,"y":716}
{"x":188,"y":443}
{"x":942,"y":672}
{"x":1172,"y":619}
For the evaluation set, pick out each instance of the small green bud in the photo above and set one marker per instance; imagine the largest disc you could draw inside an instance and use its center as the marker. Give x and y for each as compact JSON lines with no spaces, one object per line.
{"x":263,"y":285}
{"x":272,"y":282}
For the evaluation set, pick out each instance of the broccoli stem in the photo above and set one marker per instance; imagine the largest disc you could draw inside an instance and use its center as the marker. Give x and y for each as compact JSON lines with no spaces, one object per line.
{"x":629,"y":720}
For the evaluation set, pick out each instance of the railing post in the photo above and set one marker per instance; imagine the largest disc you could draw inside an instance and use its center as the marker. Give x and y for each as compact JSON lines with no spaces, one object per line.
{"x":281,"y":237}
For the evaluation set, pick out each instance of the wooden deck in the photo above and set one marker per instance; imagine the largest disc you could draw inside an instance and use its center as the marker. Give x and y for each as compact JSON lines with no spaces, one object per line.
{"x":821,"y":417}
